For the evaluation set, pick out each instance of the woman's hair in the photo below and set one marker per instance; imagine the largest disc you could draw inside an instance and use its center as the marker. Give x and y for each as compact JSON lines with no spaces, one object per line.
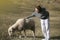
{"x":39,"y":8}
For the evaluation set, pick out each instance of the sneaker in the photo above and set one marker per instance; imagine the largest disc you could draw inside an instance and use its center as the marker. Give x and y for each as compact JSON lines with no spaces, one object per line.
{"x":43,"y":39}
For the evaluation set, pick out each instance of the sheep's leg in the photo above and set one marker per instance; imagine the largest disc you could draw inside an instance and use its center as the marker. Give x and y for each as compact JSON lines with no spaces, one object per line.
{"x":20,"y":35}
{"x":33,"y":30}
{"x":25,"y":33}
{"x":34,"y":34}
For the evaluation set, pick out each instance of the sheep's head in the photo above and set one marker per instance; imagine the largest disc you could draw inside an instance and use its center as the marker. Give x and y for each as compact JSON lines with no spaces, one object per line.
{"x":10,"y":31}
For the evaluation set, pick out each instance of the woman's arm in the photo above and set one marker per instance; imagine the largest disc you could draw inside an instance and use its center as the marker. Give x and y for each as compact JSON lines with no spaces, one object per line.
{"x":33,"y":15}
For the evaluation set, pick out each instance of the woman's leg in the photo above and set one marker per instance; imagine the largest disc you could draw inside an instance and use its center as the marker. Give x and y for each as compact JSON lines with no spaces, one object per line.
{"x":45,"y":28}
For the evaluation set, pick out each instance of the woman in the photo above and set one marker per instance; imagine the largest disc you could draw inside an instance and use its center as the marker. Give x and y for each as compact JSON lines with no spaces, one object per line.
{"x":43,"y":15}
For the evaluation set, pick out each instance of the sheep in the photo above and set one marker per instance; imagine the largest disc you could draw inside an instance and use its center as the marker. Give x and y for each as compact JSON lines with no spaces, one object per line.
{"x":22,"y":24}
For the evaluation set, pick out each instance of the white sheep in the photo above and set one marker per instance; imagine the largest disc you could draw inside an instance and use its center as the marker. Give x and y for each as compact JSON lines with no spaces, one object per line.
{"x":22,"y":24}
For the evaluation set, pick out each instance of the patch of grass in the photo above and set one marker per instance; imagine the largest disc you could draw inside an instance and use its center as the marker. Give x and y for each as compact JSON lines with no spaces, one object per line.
{"x":11,"y":10}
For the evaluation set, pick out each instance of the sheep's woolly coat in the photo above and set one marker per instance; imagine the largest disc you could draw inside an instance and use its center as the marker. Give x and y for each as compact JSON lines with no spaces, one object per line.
{"x":22,"y":24}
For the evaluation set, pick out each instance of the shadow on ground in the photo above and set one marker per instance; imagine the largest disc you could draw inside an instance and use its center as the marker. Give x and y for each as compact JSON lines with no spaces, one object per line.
{"x":5,"y":37}
{"x":41,"y":37}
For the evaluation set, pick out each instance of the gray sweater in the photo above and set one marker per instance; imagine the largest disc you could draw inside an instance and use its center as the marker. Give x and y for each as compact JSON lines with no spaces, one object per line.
{"x":42,"y":15}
